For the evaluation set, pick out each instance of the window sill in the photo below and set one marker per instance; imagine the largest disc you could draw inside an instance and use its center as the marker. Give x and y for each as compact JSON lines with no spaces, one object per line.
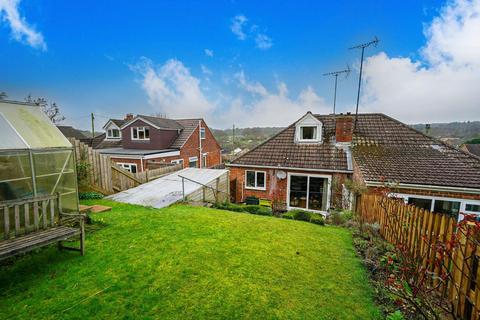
{"x":254,"y":188}
{"x":140,"y":139}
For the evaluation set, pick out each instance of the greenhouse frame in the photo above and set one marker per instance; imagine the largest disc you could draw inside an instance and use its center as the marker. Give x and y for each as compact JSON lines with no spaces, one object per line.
{"x":35,"y":158}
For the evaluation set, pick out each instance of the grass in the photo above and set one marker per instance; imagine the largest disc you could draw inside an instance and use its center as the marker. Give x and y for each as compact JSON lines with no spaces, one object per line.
{"x":190,"y":262}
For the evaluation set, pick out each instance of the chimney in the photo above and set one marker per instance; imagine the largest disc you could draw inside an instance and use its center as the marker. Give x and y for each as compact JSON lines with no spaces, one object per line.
{"x":128,"y":116}
{"x":344,"y":127}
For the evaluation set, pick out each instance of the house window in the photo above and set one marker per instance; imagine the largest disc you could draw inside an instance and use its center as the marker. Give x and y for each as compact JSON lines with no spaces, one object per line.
{"x":204,"y":160}
{"x":472,"y":207}
{"x":113,"y":133}
{"x":178,"y":161}
{"x":447,"y":207}
{"x":421,"y":203}
{"x":130,"y":167}
{"x":193,"y":162}
{"x":202,"y":133}
{"x":308,"y":133}
{"x":308,"y":192}
{"x":255,"y":179}
{"x":140,"y":133}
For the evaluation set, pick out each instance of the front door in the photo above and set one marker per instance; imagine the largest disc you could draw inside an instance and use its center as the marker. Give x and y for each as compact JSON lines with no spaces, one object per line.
{"x":308,"y":192}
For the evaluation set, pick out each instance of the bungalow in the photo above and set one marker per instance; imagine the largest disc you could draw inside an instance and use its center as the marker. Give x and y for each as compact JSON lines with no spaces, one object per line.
{"x":141,"y":142}
{"x":308,"y":164}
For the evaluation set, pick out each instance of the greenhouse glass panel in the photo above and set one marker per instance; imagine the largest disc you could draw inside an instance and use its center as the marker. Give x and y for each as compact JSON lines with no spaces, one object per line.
{"x":15,"y":175}
{"x":10,"y":139}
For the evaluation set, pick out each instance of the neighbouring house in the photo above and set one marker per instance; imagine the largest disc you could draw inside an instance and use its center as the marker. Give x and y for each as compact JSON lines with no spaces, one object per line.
{"x":141,"y":142}
{"x":71,"y":132}
{"x":307,"y":165}
{"x":471,"y":148}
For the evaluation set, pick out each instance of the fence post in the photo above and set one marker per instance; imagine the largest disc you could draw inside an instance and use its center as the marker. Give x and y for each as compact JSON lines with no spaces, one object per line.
{"x":183,"y":188}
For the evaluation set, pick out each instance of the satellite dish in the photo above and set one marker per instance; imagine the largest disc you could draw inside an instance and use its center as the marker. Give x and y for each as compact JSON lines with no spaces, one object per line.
{"x":281,"y":174}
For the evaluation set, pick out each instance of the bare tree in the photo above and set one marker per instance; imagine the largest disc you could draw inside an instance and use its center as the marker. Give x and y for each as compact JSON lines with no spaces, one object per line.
{"x":51,"y":109}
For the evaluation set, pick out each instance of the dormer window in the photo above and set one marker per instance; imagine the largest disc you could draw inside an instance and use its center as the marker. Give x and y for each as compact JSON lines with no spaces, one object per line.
{"x":308,"y":129}
{"x":308,"y":133}
{"x":113,"y":134}
{"x":140,"y":133}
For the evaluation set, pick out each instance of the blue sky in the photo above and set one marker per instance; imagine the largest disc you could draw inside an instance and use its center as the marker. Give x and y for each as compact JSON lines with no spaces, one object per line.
{"x":188,"y":59}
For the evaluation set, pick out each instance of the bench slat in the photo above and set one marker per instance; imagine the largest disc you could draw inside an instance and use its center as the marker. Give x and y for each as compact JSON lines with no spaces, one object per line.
{"x":44,"y":214}
{"x":6,"y":223}
{"x":27,"y":217}
{"x":52,"y":213}
{"x":17,"y":221}
{"x":35,"y":215}
{"x":35,"y":240}
{"x":32,"y":237}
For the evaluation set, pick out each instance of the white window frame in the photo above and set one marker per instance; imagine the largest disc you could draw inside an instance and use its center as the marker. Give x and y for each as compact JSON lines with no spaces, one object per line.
{"x":192,"y":159}
{"x":138,"y":131}
{"x":128,"y":166}
{"x":308,"y":120}
{"x":203,"y":134}
{"x":329,"y":191}
{"x":463,"y":202}
{"x":256,"y":187}
{"x":110,"y":136}
{"x":177,"y":161}
{"x":204,"y":156}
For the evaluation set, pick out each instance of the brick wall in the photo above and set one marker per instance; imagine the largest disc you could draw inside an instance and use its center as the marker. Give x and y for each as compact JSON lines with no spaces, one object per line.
{"x":209,"y":146}
{"x":276,"y":189}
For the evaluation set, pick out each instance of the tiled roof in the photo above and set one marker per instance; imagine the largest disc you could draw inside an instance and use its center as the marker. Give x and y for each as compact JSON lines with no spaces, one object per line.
{"x":387,"y":150}
{"x":71,"y":132}
{"x":188,"y":125}
{"x":383,"y":148}
{"x":101,"y":143}
{"x":473,"y":149}
{"x":163,"y":122}
{"x":118,"y":122}
{"x":282,"y":151}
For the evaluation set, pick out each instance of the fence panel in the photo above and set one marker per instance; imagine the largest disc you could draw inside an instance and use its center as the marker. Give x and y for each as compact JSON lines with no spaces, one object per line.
{"x":420,"y":230}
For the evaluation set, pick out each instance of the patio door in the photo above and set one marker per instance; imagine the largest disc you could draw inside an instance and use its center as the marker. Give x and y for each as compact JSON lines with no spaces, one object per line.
{"x":308,"y":192}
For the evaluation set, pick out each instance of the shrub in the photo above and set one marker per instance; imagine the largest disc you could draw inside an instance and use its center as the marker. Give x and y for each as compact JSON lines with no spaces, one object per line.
{"x":257,"y":209}
{"x":317,"y":219}
{"x":301,"y":215}
{"x":230,"y":207}
{"x":288,"y":215}
{"x":339,"y":218}
{"x":91,"y":195}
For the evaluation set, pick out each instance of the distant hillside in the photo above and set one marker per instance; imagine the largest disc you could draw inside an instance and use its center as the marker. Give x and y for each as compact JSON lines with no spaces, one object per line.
{"x":244,"y":138}
{"x":457,"y":132}
{"x":247,"y":138}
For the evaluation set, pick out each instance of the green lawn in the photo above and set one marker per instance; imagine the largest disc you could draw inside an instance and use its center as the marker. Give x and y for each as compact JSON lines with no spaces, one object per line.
{"x":188,"y":262}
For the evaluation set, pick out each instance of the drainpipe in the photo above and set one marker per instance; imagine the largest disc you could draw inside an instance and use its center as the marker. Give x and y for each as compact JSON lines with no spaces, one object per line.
{"x":200,"y":144}
{"x":141,"y":163}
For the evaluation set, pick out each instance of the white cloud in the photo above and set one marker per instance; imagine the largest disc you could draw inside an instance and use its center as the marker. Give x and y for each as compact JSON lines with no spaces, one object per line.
{"x":239,"y":28}
{"x":443,"y":85}
{"x":270,"y":108}
{"x":263,"y":41}
{"x":237,"y":25}
{"x":208,"y":52}
{"x":21,"y":30}
{"x":172,"y":89}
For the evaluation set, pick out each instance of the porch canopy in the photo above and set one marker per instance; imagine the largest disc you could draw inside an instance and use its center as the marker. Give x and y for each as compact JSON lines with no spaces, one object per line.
{"x":35,"y":158}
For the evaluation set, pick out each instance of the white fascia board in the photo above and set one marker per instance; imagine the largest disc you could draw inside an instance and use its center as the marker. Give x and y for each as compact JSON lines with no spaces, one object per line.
{"x":424,"y":187}
{"x":162,"y":155}
{"x":286,"y":168}
{"x":110,"y":122}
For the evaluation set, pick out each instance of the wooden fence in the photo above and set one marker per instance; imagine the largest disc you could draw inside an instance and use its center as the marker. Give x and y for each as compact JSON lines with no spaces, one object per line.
{"x":420,"y":231}
{"x":106,"y":176}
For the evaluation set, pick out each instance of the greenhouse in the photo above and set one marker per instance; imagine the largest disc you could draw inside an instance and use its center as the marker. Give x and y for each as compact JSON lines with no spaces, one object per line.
{"x":35,"y":158}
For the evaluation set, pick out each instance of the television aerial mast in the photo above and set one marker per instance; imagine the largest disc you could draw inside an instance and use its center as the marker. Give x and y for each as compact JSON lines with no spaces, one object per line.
{"x":336,"y":74}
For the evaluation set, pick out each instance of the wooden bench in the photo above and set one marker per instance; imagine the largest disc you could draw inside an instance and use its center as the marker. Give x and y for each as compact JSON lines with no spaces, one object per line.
{"x":36,"y":222}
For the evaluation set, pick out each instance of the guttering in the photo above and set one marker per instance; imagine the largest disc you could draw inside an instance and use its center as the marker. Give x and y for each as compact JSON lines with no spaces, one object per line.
{"x":424,"y":187}
{"x":287,"y":168}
